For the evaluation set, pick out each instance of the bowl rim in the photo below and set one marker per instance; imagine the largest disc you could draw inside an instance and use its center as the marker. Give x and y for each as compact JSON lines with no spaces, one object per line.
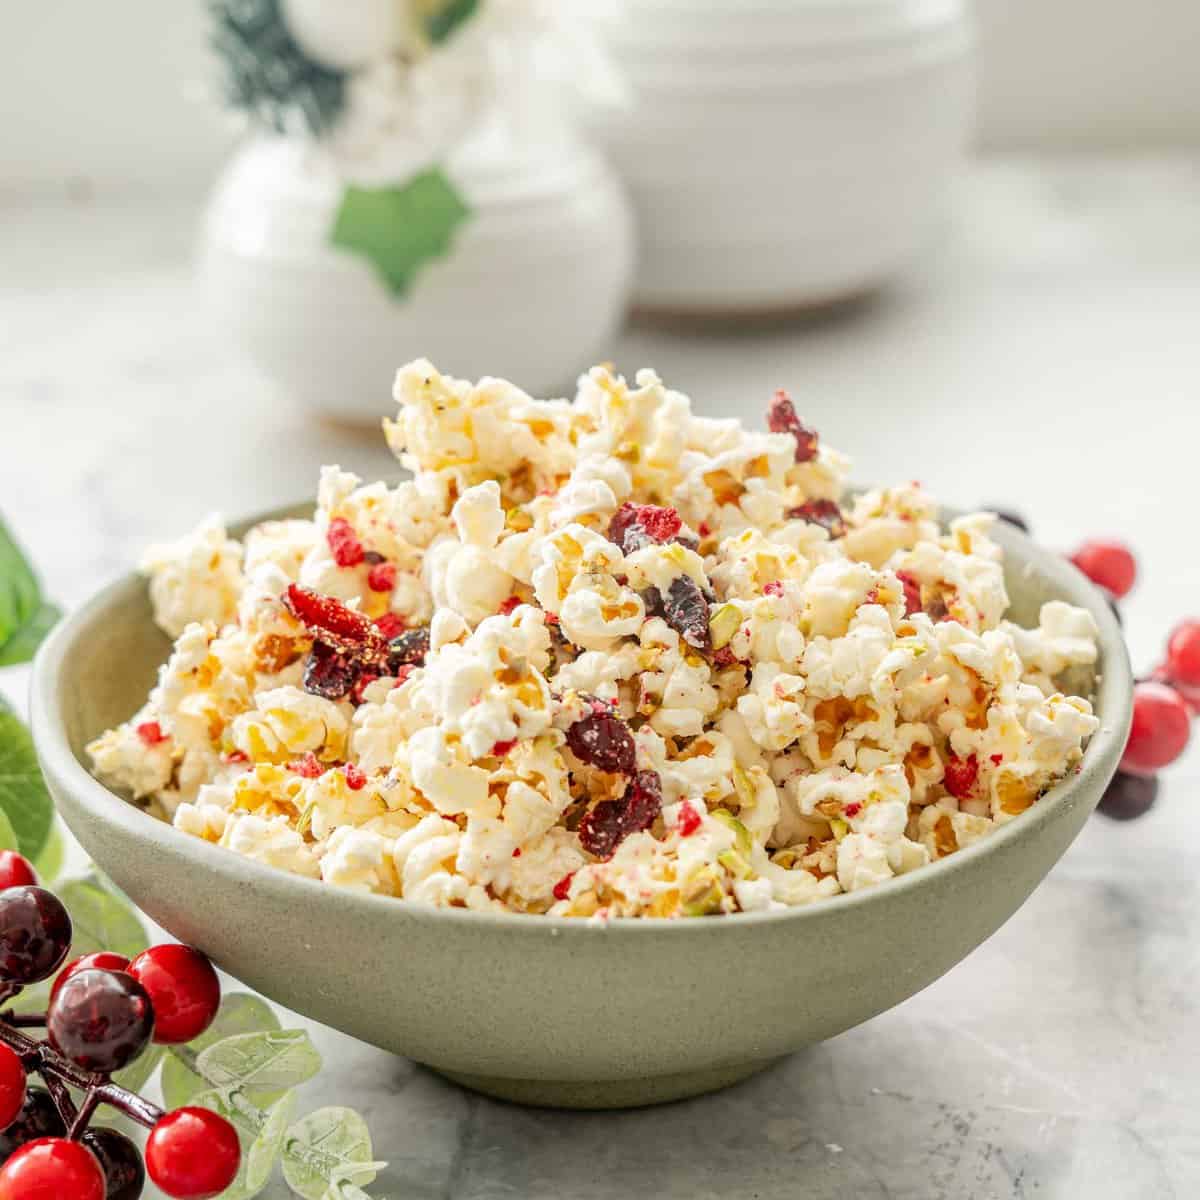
{"x":1112,"y":700}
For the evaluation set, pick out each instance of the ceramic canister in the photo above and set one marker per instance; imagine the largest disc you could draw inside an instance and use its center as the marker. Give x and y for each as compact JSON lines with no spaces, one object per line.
{"x":532,"y":288}
{"x":785,"y":153}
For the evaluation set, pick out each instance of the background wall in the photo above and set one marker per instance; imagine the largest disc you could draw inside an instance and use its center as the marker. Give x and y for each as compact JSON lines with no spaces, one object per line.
{"x":113,"y":93}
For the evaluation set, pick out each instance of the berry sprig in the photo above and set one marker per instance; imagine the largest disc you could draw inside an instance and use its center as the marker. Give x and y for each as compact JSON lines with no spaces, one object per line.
{"x":104,"y":1012}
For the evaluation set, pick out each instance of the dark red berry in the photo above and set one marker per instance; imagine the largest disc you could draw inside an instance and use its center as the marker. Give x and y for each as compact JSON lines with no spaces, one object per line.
{"x":330,"y":674}
{"x":15,"y":870}
{"x":193,"y":1154}
{"x":1183,"y":653}
{"x":39,"y":1118}
{"x":12,"y":1086}
{"x":382,"y":577}
{"x":52,"y":1169}
{"x":960,"y":776}
{"x":912,"y":593}
{"x":1108,"y":563}
{"x":183,"y":987}
{"x":686,"y":611}
{"x":343,"y":542}
{"x":1128,"y":797}
{"x":120,"y":1160}
{"x":607,"y":824}
{"x":601,"y":739}
{"x":408,"y":650}
{"x":1008,"y":517}
{"x":635,"y":526}
{"x":1162,"y":725}
{"x":391,"y":625}
{"x":781,"y":418}
{"x":150,"y":732}
{"x":102,"y":960}
{"x":825,"y":513}
{"x":689,"y":819}
{"x":35,"y":934}
{"x":101,"y":1020}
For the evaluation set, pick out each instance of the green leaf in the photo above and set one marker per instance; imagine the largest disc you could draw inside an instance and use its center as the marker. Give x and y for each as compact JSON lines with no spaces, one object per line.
{"x":447,"y":17}
{"x":240,"y":1013}
{"x":259,"y":1158}
{"x":20,"y":596}
{"x":23,"y":795}
{"x":8,"y":835}
{"x":49,"y":863}
{"x":260,"y":1061}
{"x":134,"y":1077}
{"x":326,"y":1151}
{"x":23,"y":644}
{"x":400,"y":229}
{"x":103,"y":918}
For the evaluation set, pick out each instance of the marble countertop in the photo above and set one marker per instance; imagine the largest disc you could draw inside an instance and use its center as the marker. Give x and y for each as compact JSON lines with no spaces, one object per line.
{"x":1044,"y":355}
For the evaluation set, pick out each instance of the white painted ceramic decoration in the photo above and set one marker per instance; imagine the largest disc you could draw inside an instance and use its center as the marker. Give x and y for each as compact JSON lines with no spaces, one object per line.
{"x":533,"y":290}
{"x":786,"y":153}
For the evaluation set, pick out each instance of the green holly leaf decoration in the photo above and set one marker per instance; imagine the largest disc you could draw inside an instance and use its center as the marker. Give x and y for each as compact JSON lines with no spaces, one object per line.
{"x":103,"y":918}
{"x":400,"y":229}
{"x":260,"y":1061}
{"x":23,"y":795}
{"x":25,"y":615}
{"x":326,"y":1151}
{"x":446,"y":16}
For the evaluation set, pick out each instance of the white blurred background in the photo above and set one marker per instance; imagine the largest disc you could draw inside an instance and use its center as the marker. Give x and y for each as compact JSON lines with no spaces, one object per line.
{"x":112,"y":94}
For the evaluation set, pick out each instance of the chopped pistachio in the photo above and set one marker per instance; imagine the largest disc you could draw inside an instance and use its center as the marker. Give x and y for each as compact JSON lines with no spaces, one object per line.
{"x":742,"y":840}
{"x":840,"y":828}
{"x":743,"y":785}
{"x":702,"y":894}
{"x":735,"y":864}
{"x":723,"y":624}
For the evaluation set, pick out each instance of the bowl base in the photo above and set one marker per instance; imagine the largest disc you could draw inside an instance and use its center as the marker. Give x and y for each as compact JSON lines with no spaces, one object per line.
{"x":607,"y":1093}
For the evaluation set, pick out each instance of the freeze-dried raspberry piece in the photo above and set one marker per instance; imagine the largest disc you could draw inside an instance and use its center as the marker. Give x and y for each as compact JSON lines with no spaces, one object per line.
{"x":686,"y":611}
{"x":508,"y":606}
{"x":960,"y":775}
{"x":774,"y":588}
{"x":610,"y":822}
{"x":329,"y":673}
{"x":912,"y":593}
{"x":825,"y":513}
{"x":332,"y":622}
{"x":382,"y":577}
{"x":689,"y":819}
{"x":408,"y":650}
{"x":391,"y":625}
{"x":562,"y":889}
{"x":343,"y":542}
{"x":500,"y":749}
{"x":601,"y":739}
{"x":151,"y":733}
{"x":355,"y":779}
{"x":637,"y":525}
{"x":781,"y":418}
{"x":308,"y":766}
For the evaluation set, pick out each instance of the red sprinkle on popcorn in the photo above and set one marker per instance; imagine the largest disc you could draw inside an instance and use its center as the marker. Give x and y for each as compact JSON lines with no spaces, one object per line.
{"x":635,"y":526}
{"x":562,"y":888}
{"x":151,"y":733}
{"x":500,"y":749}
{"x":782,"y":418}
{"x":308,"y":766}
{"x":853,"y":808}
{"x":912,"y":593}
{"x":705,"y":529}
{"x":343,"y":541}
{"x":391,"y":625}
{"x":507,"y":607}
{"x":517,"y":852}
{"x":774,"y":588}
{"x":997,"y":759}
{"x":382,"y":577}
{"x":689,"y":819}
{"x":236,"y":756}
{"x":960,"y":776}
{"x":355,"y":779}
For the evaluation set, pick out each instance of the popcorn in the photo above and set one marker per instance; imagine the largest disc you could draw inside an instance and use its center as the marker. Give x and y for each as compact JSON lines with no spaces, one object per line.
{"x":600,"y":659}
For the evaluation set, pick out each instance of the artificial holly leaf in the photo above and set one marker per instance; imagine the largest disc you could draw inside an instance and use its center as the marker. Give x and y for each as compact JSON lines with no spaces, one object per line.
{"x":23,"y":795}
{"x":260,"y":1061}
{"x":445,"y":16}
{"x":398,"y":230}
{"x":260,"y":1156}
{"x":102,"y":917}
{"x":326,"y":1150}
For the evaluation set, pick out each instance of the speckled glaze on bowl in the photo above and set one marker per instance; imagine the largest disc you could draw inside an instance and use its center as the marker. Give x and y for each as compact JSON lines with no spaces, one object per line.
{"x":553,"y":1011}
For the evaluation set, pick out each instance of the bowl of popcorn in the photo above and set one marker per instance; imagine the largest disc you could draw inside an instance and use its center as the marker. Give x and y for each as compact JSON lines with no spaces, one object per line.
{"x":611,"y":755}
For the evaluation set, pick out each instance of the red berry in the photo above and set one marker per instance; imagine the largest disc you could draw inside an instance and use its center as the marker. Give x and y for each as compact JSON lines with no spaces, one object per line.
{"x":192,"y":1154}
{"x":309,"y":766}
{"x":635,"y":526}
{"x":601,"y":739}
{"x":960,"y":775}
{"x":12,"y":1086}
{"x":52,"y":1169}
{"x":15,"y":870}
{"x":391,"y":625}
{"x":382,"y":577}
{"x":100,"y":1020}
{"x":343,"y":542}
{"x":35,"y":934}
{"x":1162,"y":724}
{"x":689,"y":819}
{"x":355,"y":779}
{"x":1128,"y":797}
{"x":102,"y":960}
{"x":184,"y":990}
{"x":1108,"y":563}
{"x":610,"y":822}
{"x":782,"y":418}
{"x":1183,"y":653}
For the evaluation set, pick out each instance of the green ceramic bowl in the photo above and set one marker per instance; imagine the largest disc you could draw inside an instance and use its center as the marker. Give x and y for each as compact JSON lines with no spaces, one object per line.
{"x":555,"y":1011}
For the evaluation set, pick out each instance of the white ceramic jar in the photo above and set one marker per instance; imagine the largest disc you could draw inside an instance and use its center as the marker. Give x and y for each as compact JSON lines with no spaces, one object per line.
{"x":533,"y":289}
{"x":785,"y":153}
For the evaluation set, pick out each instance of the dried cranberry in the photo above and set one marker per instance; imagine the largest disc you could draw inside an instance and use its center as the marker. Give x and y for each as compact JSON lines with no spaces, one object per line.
{"x":601,"y":739}
{"x":781,"y":418}
{"x":308,"y":766}
{"x":364,"y":681}
{"x":960,"y":776}
{"x":686,"y":611}
{"x":635,"y":526}
{"x":724,"y":657}
{"x":382,"y":577}
{"x":825,"y":513}
{"x":912,"y":593}
{"x":355,"y":779}
{"x":332,"y":620}
{"x":151,"y":733}
{"x":610,"y":822}
{"x":408,"y":650}
{"x":343,"y":542}
{"x":329,"y":673}
{"x":391,"y":625}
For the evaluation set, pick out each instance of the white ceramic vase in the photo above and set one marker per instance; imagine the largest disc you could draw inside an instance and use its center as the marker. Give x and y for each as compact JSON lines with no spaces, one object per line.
{"x":786,"y":153}
{"x":533,"y":289}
